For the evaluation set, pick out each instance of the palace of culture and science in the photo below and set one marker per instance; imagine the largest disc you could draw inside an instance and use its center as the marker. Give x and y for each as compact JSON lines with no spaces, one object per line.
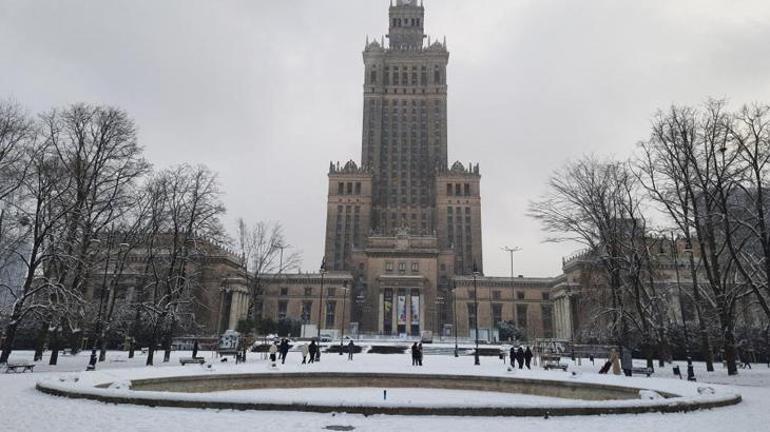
{"x":403,"y":226}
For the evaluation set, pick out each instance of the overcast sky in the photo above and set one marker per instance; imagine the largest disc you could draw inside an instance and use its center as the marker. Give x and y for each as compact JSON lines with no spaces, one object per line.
{"x":268,"y":92}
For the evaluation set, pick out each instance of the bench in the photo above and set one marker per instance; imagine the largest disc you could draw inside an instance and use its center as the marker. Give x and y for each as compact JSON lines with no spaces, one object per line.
{"x":642,"y":371}
{"x":15,"y":366}
{"x":192,"y":360}
{"x":552,"y":362}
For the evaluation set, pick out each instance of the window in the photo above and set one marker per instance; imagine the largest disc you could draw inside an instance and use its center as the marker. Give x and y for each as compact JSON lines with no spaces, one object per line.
{"x":307,"y":306}
{"x":467,"y":189}
{"x":283,"y":307}
{"x":457,"y":189}
{"x":358,"y":188}
{"x":373,"y":77}
{"x":496,"y":295}
{"x":521,"y":316}
{"x":547,"y":321}
{"x":546,"y":296}
{"x":402,"y":267}
{"x":308,"y":292}
{"x":471,"y":315}
{"x":520,"y":295}
{"x":330,"y":307}
{"x":388,"y":266}
{"x":340,"y":188}
{"x":284,"y":291}
{"x":448,"y":190}
{"x":497,"y":313}
{"x":330,"y":291}
{"x":415,"y":267}
{"x":350,"y":188}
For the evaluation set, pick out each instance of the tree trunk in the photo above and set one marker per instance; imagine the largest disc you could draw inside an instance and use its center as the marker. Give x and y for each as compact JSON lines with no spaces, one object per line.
{"x":42,"y":334}
{"x":729,"y":345}
{"x":151,"y":350}
{"x":10,"y":337}
{"x":167,"y":347}
{"x":54,"y":347}
{"x":75,"y":341}
{"x":103,"y":349}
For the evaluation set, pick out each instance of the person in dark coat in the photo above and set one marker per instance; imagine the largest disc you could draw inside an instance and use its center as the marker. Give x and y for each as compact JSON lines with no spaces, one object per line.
{"x":513,"y":356}
{"x":520,"y":357}
{"x":415,"y":353}
{"x":626,"y":361}
{"x":284,"y":350}
{"x":195,"y":348}
{"x":528,"y":357}
{"x":312,"y":350}
{"x":419,"y":354}
{"x":350,"y":350}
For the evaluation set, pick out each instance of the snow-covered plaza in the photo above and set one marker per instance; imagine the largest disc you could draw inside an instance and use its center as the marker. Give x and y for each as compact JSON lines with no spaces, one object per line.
{"x":23,"y":408}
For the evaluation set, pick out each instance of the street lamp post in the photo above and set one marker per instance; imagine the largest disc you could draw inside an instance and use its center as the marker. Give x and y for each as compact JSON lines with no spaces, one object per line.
{"x":454,"y":316}
{"x":511,"y":251}
{"x":439,"y":305}
{"x":674,"y":255}
{"x":320,"y":305}
{"x":476,"y":361}
{"x":344,"y":298}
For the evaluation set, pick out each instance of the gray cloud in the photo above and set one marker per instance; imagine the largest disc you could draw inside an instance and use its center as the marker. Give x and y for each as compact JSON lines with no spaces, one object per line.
{"x":267,"y":93}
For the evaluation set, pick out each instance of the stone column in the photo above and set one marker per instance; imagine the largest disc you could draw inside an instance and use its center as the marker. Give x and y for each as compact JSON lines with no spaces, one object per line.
{"x":233,"y":311}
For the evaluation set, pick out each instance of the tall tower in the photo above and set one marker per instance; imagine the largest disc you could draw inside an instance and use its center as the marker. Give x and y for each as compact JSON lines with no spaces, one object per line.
{"x":403,"y":222}
{"x":405,"y":122}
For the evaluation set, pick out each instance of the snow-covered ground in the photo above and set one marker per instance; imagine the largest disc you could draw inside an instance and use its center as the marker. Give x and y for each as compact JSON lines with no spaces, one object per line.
{"x":22,"y":408}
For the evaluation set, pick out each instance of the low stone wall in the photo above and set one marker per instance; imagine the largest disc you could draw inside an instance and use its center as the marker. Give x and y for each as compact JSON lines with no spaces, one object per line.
{"x":216,"y":383}
{"x":144,"y":393}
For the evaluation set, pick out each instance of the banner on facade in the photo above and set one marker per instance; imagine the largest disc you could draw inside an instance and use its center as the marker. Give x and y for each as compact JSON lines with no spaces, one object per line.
{"x":401,"y":309}
{"x":415,"y":309}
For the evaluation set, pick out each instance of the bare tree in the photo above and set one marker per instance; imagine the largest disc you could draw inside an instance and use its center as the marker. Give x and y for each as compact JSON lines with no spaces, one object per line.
{"x":40,"y":216}
{"x":98,"y":150}
{"x":750,"y":133}
{"x":185,"y":206}
{"x":692,"y":168}
{"x":595,"y":203}
{"x":262,"y":247}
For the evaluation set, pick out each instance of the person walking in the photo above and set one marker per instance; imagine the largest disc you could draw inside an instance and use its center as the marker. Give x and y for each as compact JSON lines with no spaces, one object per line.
{"x":626,"y":361}
{"x":419,"y":354}
{"x":520,"y":357}
{"x":528,"y":357}
{"x":350,"y":349}
{"x":195,"y":349}
{"x":415,"y":352}
{"x":304,"y":351}
{"x":284,"y":350}
{"x":273,"y":350}
{"x":513,"y":356}
{"x":614,"y":362}
{"x":312,"y":351}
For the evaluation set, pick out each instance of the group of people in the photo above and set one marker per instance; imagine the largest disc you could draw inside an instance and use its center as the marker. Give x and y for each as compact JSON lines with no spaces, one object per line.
{"x":522,"y":357}
{"x":417,"y":354}
{"x":310,"y":352}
